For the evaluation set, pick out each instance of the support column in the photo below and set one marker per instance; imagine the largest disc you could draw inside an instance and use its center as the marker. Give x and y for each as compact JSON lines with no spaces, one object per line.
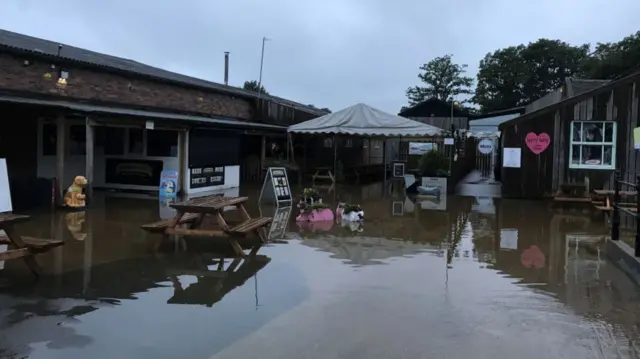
{"x":182,"y":162}
{"x":61,"y":136}
{"x":87,"y":262}
{"x":263,"y":155}
{"x":89,"y":159}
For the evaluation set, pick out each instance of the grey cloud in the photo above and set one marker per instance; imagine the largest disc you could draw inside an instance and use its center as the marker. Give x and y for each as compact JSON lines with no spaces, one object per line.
{"x":332,"y":53}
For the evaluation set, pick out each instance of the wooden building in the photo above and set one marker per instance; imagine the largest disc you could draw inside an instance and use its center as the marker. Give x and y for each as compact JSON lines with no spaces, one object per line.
{"x":69,"y":111}
{"x":438,"y":113}
{"x":574,"y":137}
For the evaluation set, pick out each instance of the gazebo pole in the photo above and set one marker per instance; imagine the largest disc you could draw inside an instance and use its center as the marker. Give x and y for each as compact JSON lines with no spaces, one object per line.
{"x":335,"y":160}
{"x":384,"y":163}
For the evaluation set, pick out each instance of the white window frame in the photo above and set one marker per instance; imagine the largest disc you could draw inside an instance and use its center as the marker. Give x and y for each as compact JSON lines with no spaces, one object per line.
{"x":603,"y":143}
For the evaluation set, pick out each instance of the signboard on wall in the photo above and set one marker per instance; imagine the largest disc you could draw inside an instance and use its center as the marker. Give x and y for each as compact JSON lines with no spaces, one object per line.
{"x":397,"y":170}
{"x":208,"y":176}
{"x":5,"y":193}
{"x":276,"y":186}
{"x":133,"y":172}
{"x":485,"y":146}
{"x":511,"y":157}
{"x":420,"y":148}
{"x":168,"y":183}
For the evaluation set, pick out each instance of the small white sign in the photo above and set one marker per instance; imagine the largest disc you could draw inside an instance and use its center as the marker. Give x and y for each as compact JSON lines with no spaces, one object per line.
{"x":509,"y":239}
{"x":511,"y":157}
{"x":420,"y":148}
{"x":5,"y":192}
{"x":149,"y":125}
{"x":485,"y":146}
{"x":448,"y":141}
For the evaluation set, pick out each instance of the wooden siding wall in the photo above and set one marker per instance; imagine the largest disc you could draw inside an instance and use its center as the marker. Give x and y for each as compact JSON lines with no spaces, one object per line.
{"x":534,"y":178}
{"x":542,"y":175}
{"x":444,"y":122}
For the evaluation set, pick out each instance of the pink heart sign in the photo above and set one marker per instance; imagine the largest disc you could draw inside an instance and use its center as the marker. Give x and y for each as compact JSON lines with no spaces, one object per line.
{"x":537,"y":143}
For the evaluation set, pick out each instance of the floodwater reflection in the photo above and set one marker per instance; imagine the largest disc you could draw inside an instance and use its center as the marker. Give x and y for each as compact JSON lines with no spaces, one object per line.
{"x":468,"y":277}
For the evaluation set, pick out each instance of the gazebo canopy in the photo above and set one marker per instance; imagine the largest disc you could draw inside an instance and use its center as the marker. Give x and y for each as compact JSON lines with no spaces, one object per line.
{"x":364,"y":120}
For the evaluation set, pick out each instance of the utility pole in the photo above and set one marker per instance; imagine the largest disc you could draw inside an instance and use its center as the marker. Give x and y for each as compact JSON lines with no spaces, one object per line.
{"x":264,"y":39}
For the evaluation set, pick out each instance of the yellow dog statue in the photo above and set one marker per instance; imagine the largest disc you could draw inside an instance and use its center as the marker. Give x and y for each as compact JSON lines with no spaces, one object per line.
{"x":74,"y":198}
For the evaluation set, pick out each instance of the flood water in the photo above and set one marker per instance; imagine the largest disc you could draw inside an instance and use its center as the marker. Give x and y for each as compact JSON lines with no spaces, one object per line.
{"x":464,"y":277}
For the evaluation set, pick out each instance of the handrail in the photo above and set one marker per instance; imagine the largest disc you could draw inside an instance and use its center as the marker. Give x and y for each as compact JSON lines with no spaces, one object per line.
{"x":615,"y":220}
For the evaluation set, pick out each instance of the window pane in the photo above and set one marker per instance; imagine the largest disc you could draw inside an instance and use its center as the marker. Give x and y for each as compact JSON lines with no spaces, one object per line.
{"x":77,"y":140}
{"x":592,"y":155}
{"x":608,"y":132}
{"x":162,"y":143}
{"x":608,"y":155}
{"x":575,"y":155}
{"x":135,"y":141}
{"x":577,"y":131}
{"x":49,"y":139}
{"x":592,"y":132}
{"x":114,"y":141}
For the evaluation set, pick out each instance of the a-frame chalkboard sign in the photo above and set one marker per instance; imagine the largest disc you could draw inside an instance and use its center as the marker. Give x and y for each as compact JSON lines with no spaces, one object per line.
{"x":276,"y":186}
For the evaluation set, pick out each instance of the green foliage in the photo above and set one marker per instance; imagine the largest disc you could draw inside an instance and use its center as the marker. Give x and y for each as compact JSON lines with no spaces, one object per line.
{"x":518,"y":75}
{"x":434,"y":164}
{"x":308,"y":208}
{"x":311,"y":193}
{"x":348,"y":208}
{"x":614,"y":59}
{"x":442,"y":79}
{"x":255,"y":87}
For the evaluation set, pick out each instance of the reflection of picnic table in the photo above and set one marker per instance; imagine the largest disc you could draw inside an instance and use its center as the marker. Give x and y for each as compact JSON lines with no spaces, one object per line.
{"x":213,"y":285}
{"x":23,"y":247}
{"x":193,"y":211}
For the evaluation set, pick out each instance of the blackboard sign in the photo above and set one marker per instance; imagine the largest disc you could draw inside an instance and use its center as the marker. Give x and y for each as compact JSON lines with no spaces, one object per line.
{"x":276,"y":186}
{"x":133,"y":172}
{"x":397,"y":170}
{"x":206,"y":176}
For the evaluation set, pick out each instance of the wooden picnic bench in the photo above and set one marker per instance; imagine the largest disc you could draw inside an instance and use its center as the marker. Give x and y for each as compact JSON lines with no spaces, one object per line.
{"x":323,"y":173}
{"x":23,"y":247}
{"x":602,"y":199}
{"x":193,"y":211}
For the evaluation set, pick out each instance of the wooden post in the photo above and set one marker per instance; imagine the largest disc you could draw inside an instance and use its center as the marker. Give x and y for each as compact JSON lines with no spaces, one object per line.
{"x":182,"y":162}
{"x":637,"y":244}
{"x":615,"y":218}
{"x":90,"y":129}
{"x":88,"y":253}
{"x":263,"y":156}
{"x":61,"y":131}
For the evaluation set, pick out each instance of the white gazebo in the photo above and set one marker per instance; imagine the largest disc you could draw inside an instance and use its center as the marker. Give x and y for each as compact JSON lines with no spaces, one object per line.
{"x":364,"y":121}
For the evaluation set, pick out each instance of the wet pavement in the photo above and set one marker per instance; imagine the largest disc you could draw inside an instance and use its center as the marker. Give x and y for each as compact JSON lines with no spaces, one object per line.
{"x":462,"y":277}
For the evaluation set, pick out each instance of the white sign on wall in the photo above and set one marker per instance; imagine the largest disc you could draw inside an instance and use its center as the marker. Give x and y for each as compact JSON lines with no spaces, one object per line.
{"x":509,"y":239}
{"x":5,"y":193}
{"x":511,"y":157}
{"x":485,"y":146}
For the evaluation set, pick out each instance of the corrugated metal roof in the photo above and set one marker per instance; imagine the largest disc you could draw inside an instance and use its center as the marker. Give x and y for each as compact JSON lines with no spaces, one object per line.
{"x":36,"y":45}
{"x":493,"y":121}
{"x":580,"y":86}
{"x":138,"y":113}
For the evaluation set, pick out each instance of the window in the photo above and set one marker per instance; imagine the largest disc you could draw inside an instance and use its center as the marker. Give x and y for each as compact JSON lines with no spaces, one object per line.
{"x":77,"y":140}
{"x":49,"y":139}
{"x":162,"y":143}
{"x":593,"y":145}
{"x":112,"y":140}
{"x":136,"y":141}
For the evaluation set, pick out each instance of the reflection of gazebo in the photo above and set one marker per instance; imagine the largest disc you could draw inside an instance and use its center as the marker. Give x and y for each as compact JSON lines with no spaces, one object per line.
{"x":367,"y":250}
{"x":362,"y":121}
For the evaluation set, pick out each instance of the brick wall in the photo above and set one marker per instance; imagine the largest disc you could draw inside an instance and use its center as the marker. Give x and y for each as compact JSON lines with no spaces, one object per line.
{"x":95,"y":85}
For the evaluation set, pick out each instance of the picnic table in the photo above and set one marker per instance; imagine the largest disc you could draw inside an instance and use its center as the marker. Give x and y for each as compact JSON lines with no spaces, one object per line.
{"x":603,"y":199}
{"x":323,"y":173}
{"x":23,"y":247}
{"x":192,"y":213}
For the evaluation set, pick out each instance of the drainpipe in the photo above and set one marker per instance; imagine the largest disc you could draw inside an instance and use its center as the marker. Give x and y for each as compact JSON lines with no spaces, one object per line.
{"x":226,"y":68}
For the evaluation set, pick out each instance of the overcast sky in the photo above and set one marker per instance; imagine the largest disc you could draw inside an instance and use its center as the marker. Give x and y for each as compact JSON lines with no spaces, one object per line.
{"x":330,"y":53}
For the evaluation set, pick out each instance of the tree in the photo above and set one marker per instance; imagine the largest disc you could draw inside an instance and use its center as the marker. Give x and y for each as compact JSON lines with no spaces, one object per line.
{"x":255,"y":87}
{"x":443,"y":80}
{"x":613,"y":60}
{"x":321,"y":109}
{"x":517,"y":75}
